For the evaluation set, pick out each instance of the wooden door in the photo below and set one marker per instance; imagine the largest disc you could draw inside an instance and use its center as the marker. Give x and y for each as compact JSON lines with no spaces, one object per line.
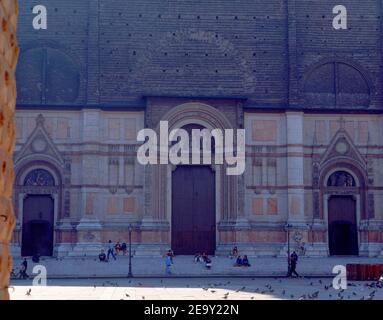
{"x":343,"y":233}
{"x":37,"y":230}
{"x":193,"y":210}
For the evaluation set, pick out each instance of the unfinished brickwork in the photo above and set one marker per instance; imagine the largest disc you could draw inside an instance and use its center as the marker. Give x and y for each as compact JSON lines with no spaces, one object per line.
{"x":8,"y":59}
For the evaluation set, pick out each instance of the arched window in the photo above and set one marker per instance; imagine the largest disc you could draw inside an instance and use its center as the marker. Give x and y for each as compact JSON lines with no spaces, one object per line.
{"x":39,"y":178}
{"x":336,"y":84}
{"x":341,"y":179}
{"x":47,"y":76}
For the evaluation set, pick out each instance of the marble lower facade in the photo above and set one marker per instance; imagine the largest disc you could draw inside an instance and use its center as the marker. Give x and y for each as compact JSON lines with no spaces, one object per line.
{"x":302,"y":168}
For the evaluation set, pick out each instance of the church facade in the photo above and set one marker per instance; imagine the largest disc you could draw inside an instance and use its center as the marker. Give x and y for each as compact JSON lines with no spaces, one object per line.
{"x":308,"y":96}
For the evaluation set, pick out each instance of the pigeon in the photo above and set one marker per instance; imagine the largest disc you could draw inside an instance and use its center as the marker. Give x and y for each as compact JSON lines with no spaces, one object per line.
{"x":252,"y":298}
{"x":315,"y":294}
{"x":212,"y":291}
{"x":143,"y":298}
{"x":205,"y":289}
{"x":128,"y":296}
{"x":28,"y":292}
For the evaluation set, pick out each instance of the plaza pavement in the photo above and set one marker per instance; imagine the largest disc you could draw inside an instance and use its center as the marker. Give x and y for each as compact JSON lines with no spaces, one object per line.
{"x":193,"y":289}
{"x":184,"y":266}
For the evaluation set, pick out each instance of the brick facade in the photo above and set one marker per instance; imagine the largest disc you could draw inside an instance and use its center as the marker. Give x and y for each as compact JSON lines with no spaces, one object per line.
{"x":308,"y":96}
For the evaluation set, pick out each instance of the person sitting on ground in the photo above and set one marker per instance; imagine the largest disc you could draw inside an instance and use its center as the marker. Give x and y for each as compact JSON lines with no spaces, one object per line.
{"x":124,"y":248}
{"x":36,"y":258}
{"x":170,"y":254}
{"x":197,"y":257}
{"x":208,"y":262}
{"x":234,"y":253}
{"x":204,"y":256}
{"x":117,"y":247}
{"x":23,"y":270}
{"x":245,"y":261}
{"x":239,"y":262}
{"x":13,"y":274}
{"x":102,"y":256}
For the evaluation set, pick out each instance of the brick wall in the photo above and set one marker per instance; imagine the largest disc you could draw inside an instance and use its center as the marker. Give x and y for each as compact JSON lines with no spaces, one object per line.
{"x":8,"y":59}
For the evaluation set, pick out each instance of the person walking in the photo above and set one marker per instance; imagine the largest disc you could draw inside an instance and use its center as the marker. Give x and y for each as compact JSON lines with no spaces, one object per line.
{"x":110,"y":250}
{"x":168,"y":263}
{"x":293,"y":265}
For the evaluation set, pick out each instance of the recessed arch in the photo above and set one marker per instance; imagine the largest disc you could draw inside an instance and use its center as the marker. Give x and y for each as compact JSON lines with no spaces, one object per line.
{"x":54,"y":75}
{"x":196,"y":113}
{"x":343,"y":204}
{"x":336,"y":82}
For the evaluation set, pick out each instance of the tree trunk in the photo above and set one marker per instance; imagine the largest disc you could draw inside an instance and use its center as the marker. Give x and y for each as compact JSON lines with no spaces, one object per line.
{"x":8,"y":59}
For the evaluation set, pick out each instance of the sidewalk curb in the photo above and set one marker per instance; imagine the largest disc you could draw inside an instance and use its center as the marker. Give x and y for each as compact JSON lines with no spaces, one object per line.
{"x":176,"y":276}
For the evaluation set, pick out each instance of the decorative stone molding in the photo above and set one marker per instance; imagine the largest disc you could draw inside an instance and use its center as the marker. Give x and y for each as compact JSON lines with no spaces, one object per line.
{"x":8,"y":59}
{"x":341,"y":154}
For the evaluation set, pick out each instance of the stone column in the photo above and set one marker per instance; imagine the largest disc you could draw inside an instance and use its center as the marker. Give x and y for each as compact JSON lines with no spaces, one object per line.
{"x":295,"y":166}
{"x":295,"y":177}
{"x":8,"y":59}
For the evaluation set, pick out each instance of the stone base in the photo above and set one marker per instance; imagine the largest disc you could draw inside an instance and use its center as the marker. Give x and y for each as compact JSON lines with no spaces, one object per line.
{"x":150,"y":250}
{"x":312,"y":250}
{"x":267,"y":249}
{"x":62,"y":249}
{"x":317,"y":250}
{"x":87,"y":249}
{"x":251,"y":250}
{"x":243,"y":249}
{"x":15,"y":250}
{"x":370,"y":250}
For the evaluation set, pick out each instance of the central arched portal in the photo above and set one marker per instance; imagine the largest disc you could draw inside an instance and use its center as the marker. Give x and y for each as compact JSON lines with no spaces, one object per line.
{"x":193,"y":210}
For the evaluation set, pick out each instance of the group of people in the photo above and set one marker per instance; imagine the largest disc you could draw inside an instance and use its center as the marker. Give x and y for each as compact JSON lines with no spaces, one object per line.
{"x":22,"y":271}
{"x":112,"y":250}
{"x":203,"y":258}
{"x":239,"y":262}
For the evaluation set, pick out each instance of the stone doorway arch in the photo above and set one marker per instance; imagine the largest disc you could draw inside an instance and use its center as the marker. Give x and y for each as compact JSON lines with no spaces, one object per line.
{"x":158,"y":194}
{"x":343,"y":201}
{"x":38,"y":207}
